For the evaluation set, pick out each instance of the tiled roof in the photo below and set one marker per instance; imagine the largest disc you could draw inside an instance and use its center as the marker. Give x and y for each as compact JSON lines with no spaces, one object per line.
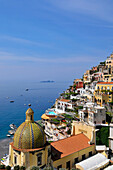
{"x":70,"y":145}
{"x":105,"y":83}
{"x":64,"y":100}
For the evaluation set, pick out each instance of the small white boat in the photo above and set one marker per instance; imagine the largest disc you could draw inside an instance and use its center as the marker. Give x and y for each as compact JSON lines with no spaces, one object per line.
{"x":11,"y":132}
{"x":13,"y":126}
{"x":8,"y":135}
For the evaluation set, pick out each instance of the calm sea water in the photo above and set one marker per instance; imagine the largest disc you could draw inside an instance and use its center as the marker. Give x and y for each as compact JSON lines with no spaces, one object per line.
{"x":41,"y":96}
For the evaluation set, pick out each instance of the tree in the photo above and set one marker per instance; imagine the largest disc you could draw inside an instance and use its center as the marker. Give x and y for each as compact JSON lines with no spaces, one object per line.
{"x":8,"y":167}
{"x":35,"y":168}
{"x":16,"y":167}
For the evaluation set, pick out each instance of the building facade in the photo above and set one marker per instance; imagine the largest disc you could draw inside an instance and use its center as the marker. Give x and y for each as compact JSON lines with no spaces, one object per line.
{"x":29,"y":147}
{"x":103,"y":93}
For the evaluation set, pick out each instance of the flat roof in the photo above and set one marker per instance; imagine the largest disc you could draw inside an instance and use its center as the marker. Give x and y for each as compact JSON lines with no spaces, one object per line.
{"x":93,"y":162}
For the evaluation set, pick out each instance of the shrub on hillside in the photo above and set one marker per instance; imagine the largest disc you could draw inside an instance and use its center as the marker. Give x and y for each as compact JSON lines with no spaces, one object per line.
{"x":2,"y":166}
{"x":16,"y":167}
{"x":8,"y":167}
{"x":35,"y":168}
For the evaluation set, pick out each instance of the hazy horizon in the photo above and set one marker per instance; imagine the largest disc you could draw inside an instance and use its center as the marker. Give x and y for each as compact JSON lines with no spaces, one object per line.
{"x":53,"y":40}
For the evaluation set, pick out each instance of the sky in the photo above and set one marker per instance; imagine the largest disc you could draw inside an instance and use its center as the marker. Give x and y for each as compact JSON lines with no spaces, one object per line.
{"x":53,"y":39}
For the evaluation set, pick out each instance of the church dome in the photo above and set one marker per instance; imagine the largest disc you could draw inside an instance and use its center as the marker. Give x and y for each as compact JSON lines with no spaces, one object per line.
{"x":29,"y":135}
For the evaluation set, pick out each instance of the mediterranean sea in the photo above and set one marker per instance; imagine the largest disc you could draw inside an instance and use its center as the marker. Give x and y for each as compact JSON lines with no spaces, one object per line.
{"x":41,"y":96}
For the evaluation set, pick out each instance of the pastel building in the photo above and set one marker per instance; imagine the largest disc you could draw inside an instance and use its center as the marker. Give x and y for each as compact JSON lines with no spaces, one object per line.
{"x":87,"y":77}
{"x":103,"y":93}
{"x":29,"y":147}
{"x":108,"y":75}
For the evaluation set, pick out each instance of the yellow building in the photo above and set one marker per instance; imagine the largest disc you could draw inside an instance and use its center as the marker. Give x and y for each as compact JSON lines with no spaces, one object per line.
{"x":103,"y":93}
{"x":29,"y":147}
{"x":67,"y":152}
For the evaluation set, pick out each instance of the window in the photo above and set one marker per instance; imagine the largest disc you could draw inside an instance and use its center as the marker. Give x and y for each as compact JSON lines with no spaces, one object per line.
{"x":49,"y":151}
{"x":15,"y":159}
{"x":83,"y":157}
{"x":76,"y":160}
{"x":108,"y":88}
{"x":68,"y":165}
{"x":60,"y":166}
{"x":90,"y":153}
{"x":102,"y":88}
{"x":31,"y":117}
{"x":39,"y":159}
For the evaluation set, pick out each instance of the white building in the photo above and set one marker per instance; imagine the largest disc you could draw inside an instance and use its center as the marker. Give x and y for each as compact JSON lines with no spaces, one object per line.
{"x":96,"y":162}
{"x":52,"y":132}
{"x":92,"y":114}
{"x":62,"y":105}
{"x":96,"y":115}
{"x":80,"y":91}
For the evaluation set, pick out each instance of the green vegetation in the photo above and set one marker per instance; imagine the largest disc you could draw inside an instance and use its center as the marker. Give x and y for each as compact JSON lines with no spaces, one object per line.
{"x":22,"y":168}
{"x":74,"y":100}
{"x":35,"y":168}
{"x":55,"y":120}
{"x":109,"y":117}
{"x":8,"y":167}
{"x":16,"y":167}
{"x":40,"y":123}
{"x":67,"y":116}
{"x":80,"y":107}
{"x":2,"y":166}
{"x":102,"y":136}
{"x":111,"y":103}
{"x":102,"y":63}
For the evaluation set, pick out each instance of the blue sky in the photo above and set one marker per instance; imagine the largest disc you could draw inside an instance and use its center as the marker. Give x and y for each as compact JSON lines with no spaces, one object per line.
{"x":53,"y":39}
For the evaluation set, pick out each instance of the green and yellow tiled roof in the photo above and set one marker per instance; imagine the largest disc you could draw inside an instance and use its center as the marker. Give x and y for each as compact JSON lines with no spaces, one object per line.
{"x":29,"y":135}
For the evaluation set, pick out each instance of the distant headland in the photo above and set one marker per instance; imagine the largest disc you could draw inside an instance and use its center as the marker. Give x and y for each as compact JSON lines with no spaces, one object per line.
{"x":47,"y":81}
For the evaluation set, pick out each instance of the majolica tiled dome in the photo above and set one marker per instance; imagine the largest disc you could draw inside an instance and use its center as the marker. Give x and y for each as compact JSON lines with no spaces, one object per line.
{"x":29,"y":134}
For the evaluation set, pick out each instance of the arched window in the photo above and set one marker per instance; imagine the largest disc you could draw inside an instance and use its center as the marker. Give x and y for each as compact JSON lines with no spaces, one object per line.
{"x":39,"y":159}
{"x":98,"y":87}
{"x":15,"y":159}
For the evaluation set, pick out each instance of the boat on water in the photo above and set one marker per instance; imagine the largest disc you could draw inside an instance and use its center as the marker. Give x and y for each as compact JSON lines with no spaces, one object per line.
{"x":11,"y":101}
{"x":27,"y":89}
{"x":13,"y":126}
{"x":8,"y":135}
{"x":11,"y":132}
